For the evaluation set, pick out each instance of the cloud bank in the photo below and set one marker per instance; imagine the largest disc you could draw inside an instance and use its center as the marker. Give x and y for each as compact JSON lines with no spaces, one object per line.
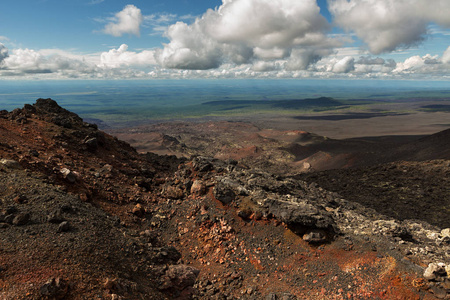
{"x":246,"y":31}
{"x":257,"y":39}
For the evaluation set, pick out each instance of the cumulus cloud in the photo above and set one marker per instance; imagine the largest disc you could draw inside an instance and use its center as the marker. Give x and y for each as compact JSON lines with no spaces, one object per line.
{"x":385,"y":25}
{"x":246,"y":31}
{"x":425,"y":65}
{"x":23,"y":62}
{"x":127,"y":21}
{"x":345,"y":65}
{"x":121,"y":57}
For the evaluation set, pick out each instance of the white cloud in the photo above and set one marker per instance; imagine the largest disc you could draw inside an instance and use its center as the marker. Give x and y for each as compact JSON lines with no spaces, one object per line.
{"x":122,"y":57}
{"x":264,"y":23}
{"x":446,"y":56}
{"x":385,"y":25}
{"x":127,"y":21}
{"x":425,"y":65}
{"x":345,"y":65}
{"x":189,"y":48}
{"x":246,"y":31}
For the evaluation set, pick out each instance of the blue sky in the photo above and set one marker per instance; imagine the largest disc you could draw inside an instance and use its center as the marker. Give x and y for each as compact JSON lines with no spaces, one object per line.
{"x":387,"y":39}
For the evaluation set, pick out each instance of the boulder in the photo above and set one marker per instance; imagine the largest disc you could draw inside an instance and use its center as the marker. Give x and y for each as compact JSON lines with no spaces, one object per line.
{"x":198,"y":188}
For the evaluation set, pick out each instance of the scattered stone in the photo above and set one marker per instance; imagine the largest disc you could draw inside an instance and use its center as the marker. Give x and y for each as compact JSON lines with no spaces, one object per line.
{"x":9,"y":218}
{"x":439,"y":292}
{"x":434,"y":271}
{"x":174,"y":192}
{"x":198,"y":188}
{"x":34,"y":153}
{"x":55,"y":217}
{"x":55,"y":288}
{"x":20,"y":199}
{"x":21,"y":219}
{"x":180,"y":277}
{"x":244,"y":213}
{"x":391,"y":228}
{"x":271,"y":296}
{"x":202,"y":164}
{"x":315,"y":236}
{"x":110,"y":284}
{"x":11,"y":210}
{"x":138,"y":210}
{"x":445,"y":232}
{"x":288,"y":296}
{"x":446,"y":284}
{"x":224,"y":193}
{"x":10,"y":164}
{"x":69,"y":175}
{"x":64,"y":227}
{"x":92,"y":144}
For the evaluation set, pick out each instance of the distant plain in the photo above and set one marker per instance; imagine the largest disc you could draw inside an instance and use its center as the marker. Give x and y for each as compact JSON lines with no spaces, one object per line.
{"x":334,"y":108}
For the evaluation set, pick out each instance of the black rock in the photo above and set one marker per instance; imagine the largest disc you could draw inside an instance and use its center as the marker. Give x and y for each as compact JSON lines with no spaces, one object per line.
{"x":64,"y":227}
{"x":91,"y":143}
{"x":54,"y":288}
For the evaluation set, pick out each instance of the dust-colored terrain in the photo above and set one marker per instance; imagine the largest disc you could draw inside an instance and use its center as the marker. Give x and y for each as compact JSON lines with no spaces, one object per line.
{"x":85,"y":216}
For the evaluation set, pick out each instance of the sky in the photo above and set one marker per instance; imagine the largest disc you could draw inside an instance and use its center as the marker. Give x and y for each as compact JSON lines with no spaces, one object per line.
{"x":323,"y":39}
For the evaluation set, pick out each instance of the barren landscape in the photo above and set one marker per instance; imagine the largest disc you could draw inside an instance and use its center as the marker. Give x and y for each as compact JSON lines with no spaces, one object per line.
{"x":242,"y":213}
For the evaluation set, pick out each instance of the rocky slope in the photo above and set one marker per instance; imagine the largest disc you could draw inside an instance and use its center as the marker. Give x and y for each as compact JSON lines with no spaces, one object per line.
{"x":85,"y":216}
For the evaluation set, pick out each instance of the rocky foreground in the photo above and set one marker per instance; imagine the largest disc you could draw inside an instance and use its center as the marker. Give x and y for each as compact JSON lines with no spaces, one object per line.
{"x":85,"y":216}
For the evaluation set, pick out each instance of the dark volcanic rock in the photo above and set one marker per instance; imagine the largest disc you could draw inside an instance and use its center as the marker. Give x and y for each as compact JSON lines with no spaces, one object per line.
{"x":21,"y":219}
{"x":55,"y":288}
{"x":300,"y":216}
